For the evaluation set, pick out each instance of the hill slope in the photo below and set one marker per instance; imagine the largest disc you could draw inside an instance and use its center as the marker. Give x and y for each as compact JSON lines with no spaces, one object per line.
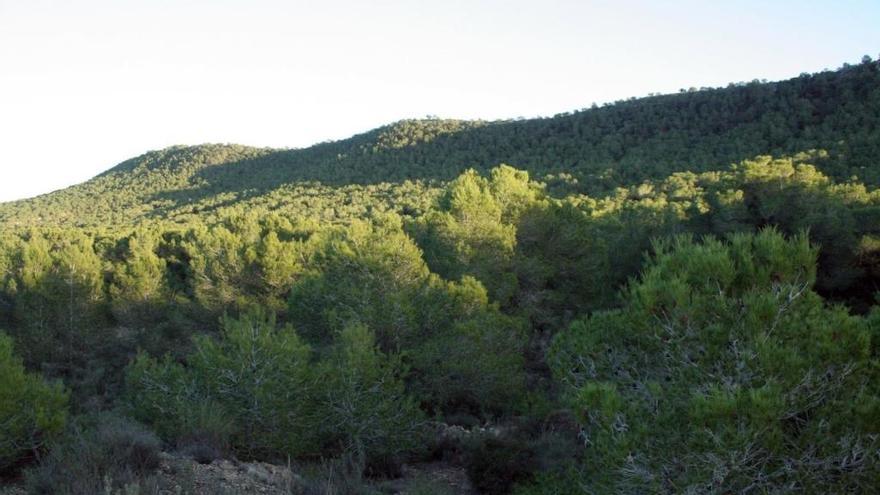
{"x":258,"y":304}
{"x":592,"y":150}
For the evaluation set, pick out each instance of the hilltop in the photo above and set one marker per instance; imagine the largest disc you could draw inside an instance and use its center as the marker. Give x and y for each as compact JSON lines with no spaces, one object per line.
{"x":592,"y":151}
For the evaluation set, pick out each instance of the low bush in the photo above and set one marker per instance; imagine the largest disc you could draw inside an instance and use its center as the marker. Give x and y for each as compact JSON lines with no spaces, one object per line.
{"x":247,"y":390}
{"x":32,"y":411}
{"x":100,"y":453}
{"x":258,"y":392}
{"x":363,"y":405}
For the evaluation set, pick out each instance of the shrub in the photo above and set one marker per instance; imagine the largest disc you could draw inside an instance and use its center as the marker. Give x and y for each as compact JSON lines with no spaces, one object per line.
{"x":163,"y":393}
{"x":249,"y":388}
{"x":334,"y":477}
{"x":472,"y":366}
{"x":101,"y":453}
{"x":363,"y":405}
{"x":257,"y":391}
{"x":465,"y":354}
{"x":724,"y":372}
{"x":472,"y":232}
{"x":32,"y":411}
{"x":261,"y":376}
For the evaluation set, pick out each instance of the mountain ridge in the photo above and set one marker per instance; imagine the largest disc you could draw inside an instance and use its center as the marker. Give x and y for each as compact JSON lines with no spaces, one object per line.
{"x":590,"y":150}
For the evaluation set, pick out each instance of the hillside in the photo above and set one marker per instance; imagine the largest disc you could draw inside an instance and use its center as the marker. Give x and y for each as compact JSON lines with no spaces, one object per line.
{"x":674,"y":294}
{"x":588,"y":151}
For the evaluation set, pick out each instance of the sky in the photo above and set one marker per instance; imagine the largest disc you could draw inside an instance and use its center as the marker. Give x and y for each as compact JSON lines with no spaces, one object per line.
{"x":86,"y":84}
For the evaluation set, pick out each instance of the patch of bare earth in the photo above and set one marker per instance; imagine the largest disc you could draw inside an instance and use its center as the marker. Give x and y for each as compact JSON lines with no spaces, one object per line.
{"x":182,"y":475}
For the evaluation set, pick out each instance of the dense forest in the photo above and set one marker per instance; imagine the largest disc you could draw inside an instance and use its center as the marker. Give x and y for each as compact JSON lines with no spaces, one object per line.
{"x":672,"y":294}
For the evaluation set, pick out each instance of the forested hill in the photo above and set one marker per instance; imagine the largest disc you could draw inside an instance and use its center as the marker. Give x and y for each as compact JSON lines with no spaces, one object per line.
{"x":675,"y":294}
{"x":591,"y":150}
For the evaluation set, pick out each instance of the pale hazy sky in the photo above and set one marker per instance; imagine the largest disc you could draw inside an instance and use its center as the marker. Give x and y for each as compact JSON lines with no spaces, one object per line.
{"x":85,"y":84}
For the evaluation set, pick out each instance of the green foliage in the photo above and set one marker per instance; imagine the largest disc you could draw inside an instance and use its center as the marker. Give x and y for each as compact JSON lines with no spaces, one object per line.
{"x":32,"y":412}
{"x":363,"y":404}
{"x":475,"y":365}
{"x":592,"y":150}
{"x":221,"y":262}
{"x":250,"y":388}
{"x":368,"y":272}
{"x":724,"y":371}
{"x":564,"y":264}
{"x":162,"y":394}
{"x":418,"y":290}
{"x":279,"y":266}
{"x":258,"y":390}
{"x":60,"y":307}
{"x":100,"y":454}
{"x":139,"y":289}
{"x":260,"y":375}
{"x":468,"y":236}
{"x":462,"y":349}
{"x":553,"y":483}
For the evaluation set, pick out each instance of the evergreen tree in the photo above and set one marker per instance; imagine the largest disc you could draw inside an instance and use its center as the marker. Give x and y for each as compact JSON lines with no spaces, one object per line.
{"x":32,"y":412}
{"x":139,"y":288}
{"x":724,"y":372}
{"x":363,"y":403}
